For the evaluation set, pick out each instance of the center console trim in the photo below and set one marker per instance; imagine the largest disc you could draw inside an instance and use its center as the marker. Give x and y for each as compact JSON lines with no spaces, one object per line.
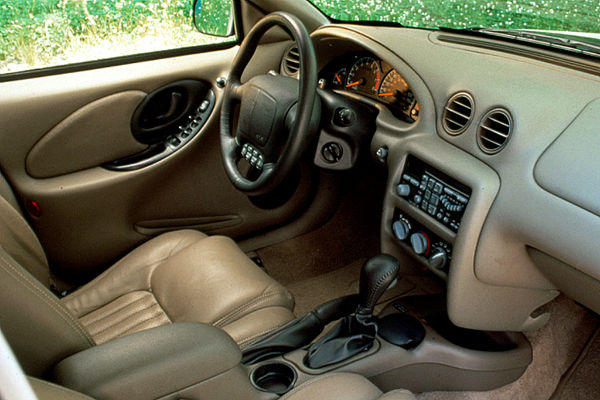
{"x":471,"y":302}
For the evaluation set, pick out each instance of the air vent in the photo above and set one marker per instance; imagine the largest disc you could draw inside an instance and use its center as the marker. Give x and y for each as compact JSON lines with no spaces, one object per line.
{"x":494,"y":130}
{"x":458,"y":113}
{"x":291,"y":61}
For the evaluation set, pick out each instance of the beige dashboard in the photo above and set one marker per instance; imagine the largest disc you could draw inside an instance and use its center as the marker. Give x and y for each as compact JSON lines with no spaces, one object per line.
{"x":530,"y":227}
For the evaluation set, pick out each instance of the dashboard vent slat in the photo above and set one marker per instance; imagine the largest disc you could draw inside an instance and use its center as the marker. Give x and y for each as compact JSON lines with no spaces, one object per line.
{"x":291,"y":61}
{"x":458,"y":113}
{"x":494,"y":130}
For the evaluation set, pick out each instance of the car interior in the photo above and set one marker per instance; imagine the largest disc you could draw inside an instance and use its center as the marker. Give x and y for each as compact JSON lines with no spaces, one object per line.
{"x":322,"y":209}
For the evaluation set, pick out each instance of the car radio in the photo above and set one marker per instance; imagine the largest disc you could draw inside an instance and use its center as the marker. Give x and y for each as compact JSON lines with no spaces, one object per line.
{"x":434,"y":192}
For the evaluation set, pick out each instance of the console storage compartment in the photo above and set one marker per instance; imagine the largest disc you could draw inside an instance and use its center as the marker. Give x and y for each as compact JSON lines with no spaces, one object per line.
{"x":178,"y":360}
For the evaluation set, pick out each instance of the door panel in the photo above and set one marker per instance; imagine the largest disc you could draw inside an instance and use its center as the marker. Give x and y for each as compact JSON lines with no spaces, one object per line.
{"x":92,"y":216}
{"x":87,"y":138}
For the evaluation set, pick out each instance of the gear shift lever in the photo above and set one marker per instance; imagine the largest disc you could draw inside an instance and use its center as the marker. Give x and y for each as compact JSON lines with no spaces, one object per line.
{"x":376,"y":275}
{"x":356,"y":333}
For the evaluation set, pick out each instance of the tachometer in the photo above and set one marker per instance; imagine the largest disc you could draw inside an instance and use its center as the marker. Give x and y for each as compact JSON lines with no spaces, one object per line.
{"x":364,"y":76}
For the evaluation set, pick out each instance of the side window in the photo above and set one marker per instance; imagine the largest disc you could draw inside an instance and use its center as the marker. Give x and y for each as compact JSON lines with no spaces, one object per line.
{"x":45,"y":33}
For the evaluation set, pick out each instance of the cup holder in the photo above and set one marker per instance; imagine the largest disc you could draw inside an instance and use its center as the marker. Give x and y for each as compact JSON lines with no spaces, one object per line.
{"x":272,"y":377}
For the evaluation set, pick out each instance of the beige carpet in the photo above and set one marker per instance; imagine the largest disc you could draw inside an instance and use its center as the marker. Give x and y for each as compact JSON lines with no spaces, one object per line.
{"x":582,"y":381}
{"x":351,"y":234}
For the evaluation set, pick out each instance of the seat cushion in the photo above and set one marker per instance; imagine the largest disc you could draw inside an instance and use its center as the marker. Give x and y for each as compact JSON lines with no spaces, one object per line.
{"x":346,"y":386}
{"x":182,"y":276}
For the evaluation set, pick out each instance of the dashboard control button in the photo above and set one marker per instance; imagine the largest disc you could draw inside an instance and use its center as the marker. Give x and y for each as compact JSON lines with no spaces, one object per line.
{"x":344,"y":117}
{"x":419,"y":242}
{"x":438,"y":188}
{"x":449,"y":191}
{"x":403,"y":190}
{"x":401,"y":229}
{"x":173,"y":141}
{"x":204,"y":106}
{"x":332,"y":152}
{"x":417,"y":199}
{"x":382,"y":153}
{"x":462,"y":198}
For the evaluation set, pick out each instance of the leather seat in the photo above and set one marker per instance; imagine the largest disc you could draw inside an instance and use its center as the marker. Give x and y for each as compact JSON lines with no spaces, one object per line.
{"x":339,"y":386}
{"x":178,"y":276}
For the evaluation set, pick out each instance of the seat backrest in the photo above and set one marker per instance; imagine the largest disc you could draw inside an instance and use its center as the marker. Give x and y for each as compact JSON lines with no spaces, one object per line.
{"x":40,"y":330}
{"x":18,"y":239}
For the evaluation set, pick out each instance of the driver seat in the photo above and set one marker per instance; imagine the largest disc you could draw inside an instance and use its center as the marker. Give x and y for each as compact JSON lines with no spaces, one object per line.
{"x":178,"y":276}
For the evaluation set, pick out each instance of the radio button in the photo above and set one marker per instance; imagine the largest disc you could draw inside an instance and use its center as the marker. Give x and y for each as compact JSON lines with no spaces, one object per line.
{"x":403,"y":190}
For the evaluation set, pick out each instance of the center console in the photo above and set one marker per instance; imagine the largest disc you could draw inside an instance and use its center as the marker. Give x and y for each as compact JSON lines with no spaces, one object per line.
{"x":429,"y":214}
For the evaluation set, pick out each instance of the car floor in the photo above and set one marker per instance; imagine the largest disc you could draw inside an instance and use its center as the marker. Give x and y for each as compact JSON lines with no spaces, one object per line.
{"x":325,"y":263}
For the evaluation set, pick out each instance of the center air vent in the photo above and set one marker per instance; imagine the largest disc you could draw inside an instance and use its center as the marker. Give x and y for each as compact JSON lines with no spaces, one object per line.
{"x":494,"y":130}
{"x":291,"y":61}
{"x":458,"y":113}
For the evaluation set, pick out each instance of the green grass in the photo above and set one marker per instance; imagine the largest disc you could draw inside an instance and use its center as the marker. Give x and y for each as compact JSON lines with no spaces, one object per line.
{"x":562,"y":15}
{"x":38,"y":33}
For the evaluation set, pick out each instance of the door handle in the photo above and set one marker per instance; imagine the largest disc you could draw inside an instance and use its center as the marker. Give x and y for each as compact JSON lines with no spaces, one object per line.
{"x":175,"y":104}
{"x":167,"y":107}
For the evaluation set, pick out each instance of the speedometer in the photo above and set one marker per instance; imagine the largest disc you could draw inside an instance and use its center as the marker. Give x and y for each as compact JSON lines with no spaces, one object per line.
{"x":364,"y":76}
{"x":395,"y":91}
{"x":393,"y":87}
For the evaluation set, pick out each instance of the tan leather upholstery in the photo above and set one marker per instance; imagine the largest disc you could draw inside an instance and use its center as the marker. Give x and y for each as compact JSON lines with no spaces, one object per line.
{"x":154,"y":285}
{"x":343,"y":386}
{"x":178,"y":276}
{"x":18,"y":239}
{"x":49,"y":391}
{"x":40,"y":330}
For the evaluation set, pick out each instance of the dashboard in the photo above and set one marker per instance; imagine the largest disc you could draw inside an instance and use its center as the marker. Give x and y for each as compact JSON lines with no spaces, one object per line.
{"x":489,"y":222}
{"x":368,"y":75}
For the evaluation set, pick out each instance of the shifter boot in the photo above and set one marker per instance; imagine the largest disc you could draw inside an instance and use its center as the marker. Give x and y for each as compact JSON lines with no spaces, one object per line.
{"x":347,"y":338}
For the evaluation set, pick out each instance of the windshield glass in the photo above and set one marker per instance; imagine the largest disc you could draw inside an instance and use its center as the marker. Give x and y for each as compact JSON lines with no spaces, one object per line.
{"x":547,"y":15}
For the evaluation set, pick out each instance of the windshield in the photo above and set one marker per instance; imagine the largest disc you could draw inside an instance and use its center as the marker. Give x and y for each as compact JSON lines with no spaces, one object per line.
{"x":571,"y":16}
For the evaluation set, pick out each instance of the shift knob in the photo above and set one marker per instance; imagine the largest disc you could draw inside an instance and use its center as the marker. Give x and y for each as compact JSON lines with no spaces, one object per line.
{"x":376,"y":275}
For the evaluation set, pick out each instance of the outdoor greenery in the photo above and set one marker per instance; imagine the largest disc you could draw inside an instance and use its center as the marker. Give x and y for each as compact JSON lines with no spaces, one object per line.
{"x":562,"y":15}
{"x":39,"y":33}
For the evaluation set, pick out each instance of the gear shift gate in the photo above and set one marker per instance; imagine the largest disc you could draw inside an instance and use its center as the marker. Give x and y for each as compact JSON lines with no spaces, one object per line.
{"x":356,"y":333}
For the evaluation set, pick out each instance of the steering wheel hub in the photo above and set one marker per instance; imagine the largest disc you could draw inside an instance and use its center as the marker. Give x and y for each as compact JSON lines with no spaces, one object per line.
{"x":278,"y":115}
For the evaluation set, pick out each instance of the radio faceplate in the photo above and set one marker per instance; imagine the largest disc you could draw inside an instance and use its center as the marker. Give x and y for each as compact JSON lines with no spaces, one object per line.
{"x":434,"y":192}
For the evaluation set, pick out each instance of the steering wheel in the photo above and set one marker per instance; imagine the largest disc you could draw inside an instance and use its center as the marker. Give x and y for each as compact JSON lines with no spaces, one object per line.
{"x":278,"y":115}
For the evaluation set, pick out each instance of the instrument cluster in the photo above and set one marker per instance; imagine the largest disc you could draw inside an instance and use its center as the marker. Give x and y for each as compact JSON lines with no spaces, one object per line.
{"x":368,"y":75}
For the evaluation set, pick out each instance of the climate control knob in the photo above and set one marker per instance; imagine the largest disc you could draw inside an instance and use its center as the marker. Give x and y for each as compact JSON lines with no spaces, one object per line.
{"x":438,"y":258}
{"x":401,"y":229}
{"x":419,"y":242}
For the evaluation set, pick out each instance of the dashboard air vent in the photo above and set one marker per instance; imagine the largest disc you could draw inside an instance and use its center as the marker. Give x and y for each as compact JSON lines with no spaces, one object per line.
{"x":458,"y":113}
{"x":291,"y":61}
{"x":494,"y":130}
